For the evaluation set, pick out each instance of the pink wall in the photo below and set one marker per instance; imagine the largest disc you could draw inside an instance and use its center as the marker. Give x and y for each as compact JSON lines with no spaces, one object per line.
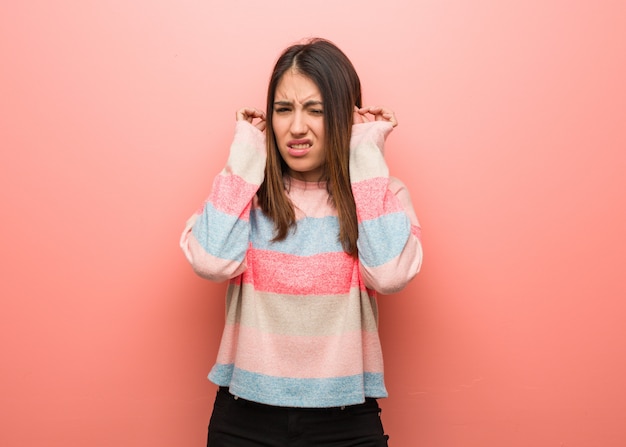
{"x":114,"y":117}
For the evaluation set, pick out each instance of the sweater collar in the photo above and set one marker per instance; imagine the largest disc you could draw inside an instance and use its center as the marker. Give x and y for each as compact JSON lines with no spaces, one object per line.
{"x":296,"y":184}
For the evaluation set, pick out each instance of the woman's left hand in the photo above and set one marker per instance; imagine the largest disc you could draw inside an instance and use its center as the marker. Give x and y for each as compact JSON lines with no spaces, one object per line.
{"x":378,"y":114}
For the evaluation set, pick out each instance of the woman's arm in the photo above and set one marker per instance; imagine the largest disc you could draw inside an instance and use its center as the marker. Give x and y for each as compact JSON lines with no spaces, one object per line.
{"x":216,"y":237}
{"x":390,"y":250}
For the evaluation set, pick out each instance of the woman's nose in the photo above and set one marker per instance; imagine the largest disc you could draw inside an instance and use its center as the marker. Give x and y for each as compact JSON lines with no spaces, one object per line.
{"x":298,"y":124}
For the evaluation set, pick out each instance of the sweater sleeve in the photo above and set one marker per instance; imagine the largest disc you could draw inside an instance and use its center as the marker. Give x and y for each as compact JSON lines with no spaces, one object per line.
{"x":389,"y":245}
{"x":216,"y":238}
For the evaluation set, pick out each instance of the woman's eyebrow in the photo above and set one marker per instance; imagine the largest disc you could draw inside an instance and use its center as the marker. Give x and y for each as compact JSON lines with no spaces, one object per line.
{"x":309,"y":103}
{"x":313,"y":102}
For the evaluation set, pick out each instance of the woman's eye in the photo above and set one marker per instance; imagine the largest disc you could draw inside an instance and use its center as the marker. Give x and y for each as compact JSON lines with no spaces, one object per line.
{"x":281,"y":110}
{"x":317,"y":112}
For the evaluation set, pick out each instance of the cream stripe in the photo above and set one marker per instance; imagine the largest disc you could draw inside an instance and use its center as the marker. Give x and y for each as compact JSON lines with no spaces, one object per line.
{"x":319,"y":315}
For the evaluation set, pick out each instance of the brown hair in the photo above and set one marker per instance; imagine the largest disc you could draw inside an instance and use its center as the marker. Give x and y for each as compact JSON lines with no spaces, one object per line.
{"x":335,"y":77}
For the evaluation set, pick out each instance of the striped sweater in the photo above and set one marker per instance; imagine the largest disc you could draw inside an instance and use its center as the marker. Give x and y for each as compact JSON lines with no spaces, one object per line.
{"x":301,"y":315}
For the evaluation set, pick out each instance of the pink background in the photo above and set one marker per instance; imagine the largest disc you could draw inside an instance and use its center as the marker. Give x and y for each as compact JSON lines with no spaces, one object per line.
{"x":115,"y":116}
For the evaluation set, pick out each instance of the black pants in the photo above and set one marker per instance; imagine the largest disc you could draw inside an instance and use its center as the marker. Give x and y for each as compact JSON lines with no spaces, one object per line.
{"x":236,"y":422}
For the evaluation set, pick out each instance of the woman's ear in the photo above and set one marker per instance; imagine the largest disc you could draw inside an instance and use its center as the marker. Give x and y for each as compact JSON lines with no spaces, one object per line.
{"x":358,"y":117}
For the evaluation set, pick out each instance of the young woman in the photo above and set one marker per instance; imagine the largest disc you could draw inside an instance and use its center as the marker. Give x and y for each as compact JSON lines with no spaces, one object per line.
{"x":307,"y":226}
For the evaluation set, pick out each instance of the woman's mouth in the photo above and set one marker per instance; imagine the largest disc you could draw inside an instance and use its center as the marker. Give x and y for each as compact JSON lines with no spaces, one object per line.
{"x":298,"y":148}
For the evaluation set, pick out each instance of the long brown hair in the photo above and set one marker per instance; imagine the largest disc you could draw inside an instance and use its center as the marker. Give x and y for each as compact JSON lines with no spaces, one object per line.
{"x":335,"y":77}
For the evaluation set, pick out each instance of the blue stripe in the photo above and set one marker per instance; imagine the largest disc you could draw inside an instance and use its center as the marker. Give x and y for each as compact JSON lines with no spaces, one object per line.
{"x":308,"y":393}
{"x":313,"y":235}
{"x":382,"y":239}
{"x":222,"y":235}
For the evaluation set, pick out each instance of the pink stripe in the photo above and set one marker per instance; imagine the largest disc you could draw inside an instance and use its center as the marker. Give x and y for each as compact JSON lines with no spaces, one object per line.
{"x":300,"y":357}
{"x":322,"y":274}
{"x":374,"y":199}
{"x":232,"y":195}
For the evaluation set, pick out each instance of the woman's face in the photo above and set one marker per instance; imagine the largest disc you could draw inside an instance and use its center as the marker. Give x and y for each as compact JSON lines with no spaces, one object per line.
{"x":298,"y":125}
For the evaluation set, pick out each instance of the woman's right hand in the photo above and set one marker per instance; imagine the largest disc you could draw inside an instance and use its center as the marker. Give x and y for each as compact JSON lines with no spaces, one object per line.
{"x":250,"y":114}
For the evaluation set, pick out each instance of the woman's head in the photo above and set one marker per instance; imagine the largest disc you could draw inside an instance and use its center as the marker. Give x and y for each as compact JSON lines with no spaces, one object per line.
{"x":324,"y":66}
{"x":311,"y":97}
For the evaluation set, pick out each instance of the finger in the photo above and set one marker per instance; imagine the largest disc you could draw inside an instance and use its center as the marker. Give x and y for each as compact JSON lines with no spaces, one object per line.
{"x":243,"y":114}
{"x":357,"y":117}
{"x":256,"y":113}
{"x":372,"y":110}
{"x":249,"y":113}
{"x":364,"y":112}
{"x":388,"y":115}
{"x":383,"y":114}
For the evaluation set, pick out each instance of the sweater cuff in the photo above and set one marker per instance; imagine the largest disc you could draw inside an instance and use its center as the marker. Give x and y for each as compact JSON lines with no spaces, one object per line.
{"x":366,"y":150}
{"x":376,"y":131}
{"x":247,"y":153}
